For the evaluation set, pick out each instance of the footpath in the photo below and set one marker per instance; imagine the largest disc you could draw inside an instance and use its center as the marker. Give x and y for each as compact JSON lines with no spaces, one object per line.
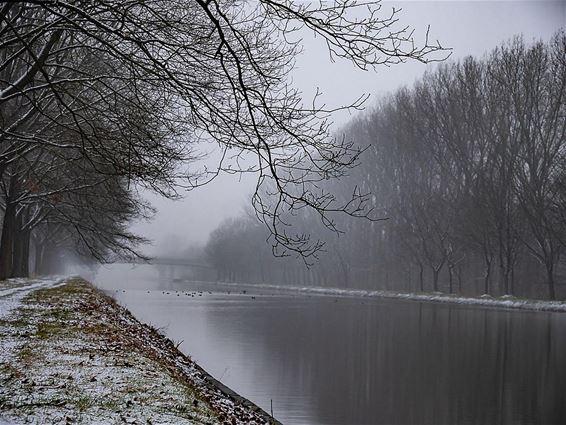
{"x":71,"y":354}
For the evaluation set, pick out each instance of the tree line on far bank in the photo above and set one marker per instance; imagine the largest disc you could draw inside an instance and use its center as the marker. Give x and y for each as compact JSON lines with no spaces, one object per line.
{"x":469,"y":168}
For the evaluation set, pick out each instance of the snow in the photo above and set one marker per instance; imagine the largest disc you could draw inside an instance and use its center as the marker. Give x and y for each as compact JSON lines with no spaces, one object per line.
{"x":74,"y":355}
{"x":12,"y":291}
{"x":505,"y":301}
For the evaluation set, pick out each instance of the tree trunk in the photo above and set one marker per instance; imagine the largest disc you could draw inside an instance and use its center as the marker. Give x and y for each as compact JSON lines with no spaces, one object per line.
{"x":20,"y":263}
{"x":508,"y":288}
{"x":487,"y":277}
{"x":38,"y":266}
{"x":550,"y":279}
{"x":345,"y":273}
{"x":435,"y":273}
{"x":7,"y":241}
{"x":21,"y":255}
{"x":421,"y":277}
{"x":505,"y":279}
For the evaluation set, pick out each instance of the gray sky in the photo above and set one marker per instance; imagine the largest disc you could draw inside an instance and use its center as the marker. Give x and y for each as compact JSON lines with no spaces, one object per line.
{"x":469,"y":27}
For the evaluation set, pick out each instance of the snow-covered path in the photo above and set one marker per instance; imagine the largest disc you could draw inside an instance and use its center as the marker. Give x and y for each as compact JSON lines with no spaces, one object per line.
{"x":12,"y":291}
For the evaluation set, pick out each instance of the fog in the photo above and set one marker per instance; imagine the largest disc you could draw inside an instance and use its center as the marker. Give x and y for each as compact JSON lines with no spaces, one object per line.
{"x":432,"y":287}
{"x":467,"y":27}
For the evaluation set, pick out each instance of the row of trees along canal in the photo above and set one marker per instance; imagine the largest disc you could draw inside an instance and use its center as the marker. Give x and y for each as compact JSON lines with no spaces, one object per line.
{"x":102,"y":99}
{"x":469,"y":167}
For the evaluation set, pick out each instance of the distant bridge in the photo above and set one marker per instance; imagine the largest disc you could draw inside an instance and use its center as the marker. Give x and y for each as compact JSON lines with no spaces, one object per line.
{"x":172,"y":269}
{"x":170,"y":261}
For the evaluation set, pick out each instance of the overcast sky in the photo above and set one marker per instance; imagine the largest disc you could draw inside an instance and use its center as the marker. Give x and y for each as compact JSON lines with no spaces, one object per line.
{"x":468,"y":27}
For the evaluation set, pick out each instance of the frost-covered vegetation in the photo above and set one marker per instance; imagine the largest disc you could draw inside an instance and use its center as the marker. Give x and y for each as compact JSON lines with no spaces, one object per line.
{"x":68,"y":353}
{"x":101,"y":100}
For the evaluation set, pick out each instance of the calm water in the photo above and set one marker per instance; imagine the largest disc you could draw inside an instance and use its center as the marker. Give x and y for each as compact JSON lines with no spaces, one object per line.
{"x":327,"y":360}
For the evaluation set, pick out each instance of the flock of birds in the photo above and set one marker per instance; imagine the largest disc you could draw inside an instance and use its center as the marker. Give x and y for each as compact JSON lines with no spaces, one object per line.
{"x":191,"y":293}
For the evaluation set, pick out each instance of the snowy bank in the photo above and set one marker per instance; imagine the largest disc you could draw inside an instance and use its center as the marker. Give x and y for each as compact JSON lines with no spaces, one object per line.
{"x":70,"y":354}
{"x":505,"y":301}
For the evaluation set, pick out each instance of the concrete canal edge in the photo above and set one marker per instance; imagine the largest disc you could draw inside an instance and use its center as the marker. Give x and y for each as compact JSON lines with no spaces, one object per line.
{"x":72,"y":354}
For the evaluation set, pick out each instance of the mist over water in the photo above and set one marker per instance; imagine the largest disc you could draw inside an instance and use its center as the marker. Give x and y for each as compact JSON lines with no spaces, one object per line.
{"x":468,"y":27}
{"x":328,"y":360}
{"x":415,"y":148}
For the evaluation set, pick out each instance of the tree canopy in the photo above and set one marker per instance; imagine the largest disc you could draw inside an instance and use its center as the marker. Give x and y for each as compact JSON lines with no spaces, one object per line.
{"x":123,"y":92}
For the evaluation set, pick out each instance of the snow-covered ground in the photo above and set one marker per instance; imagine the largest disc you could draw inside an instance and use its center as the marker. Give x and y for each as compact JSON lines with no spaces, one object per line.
{"x":12,"y":291}
{"x":505,"y":301}
{"x":70,"y":354}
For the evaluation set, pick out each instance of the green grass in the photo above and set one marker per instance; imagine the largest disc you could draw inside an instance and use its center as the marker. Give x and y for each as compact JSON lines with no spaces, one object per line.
{"x":83,"y":403}
{"x":19,"y":322}
{"x":59,"y":314}
{"x":27,"y":355}
{"x":47,"y":330}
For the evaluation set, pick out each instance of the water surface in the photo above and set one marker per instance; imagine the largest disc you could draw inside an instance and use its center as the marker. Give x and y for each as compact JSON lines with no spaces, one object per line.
{"x":328,"y":360}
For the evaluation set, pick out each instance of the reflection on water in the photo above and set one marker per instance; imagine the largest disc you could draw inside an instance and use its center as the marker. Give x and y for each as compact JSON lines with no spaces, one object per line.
{"x":325,"y":360}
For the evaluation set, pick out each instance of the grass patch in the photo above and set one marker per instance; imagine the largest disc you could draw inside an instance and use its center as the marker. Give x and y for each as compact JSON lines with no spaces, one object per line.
{"x":110,"y":404}
{"x":83,"y":403}
{"x":61,"y":314}
{"x":26,"y":312}
{"x":47,"y":330}
{"x":14,"y":323}
{"x":9,"y":372}
{"x":98,"y":329}
{"x":70,"y":289}
{"x":27,"y":355}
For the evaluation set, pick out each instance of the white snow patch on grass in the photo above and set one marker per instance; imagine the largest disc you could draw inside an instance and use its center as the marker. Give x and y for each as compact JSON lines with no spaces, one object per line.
{"x":69,"y":354}
{"x":12,"y":291}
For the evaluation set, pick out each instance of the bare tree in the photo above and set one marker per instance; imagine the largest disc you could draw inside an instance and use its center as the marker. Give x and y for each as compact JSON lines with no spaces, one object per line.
{"x":539,"y":98}
{"x":132,"y":86}
{"x":469,"y":166}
